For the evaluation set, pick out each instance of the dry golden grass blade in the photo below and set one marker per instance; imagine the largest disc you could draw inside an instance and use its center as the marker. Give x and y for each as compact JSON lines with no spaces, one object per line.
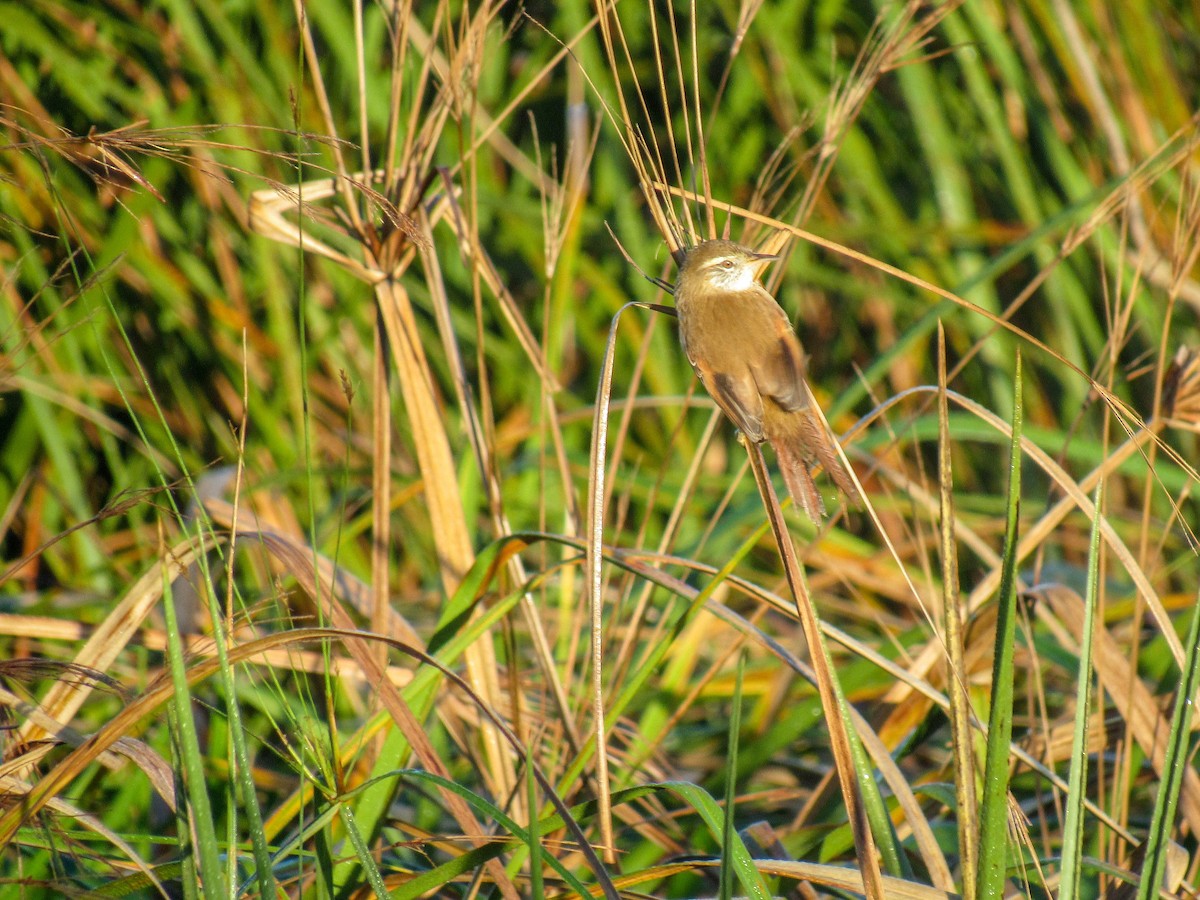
{"x":65,"y":698}
{"x":267,"y":217}
{"x":841,"y":878}
{"x":24,"y":758}
{"x":198,"y":646}
{"x":809,"y":874}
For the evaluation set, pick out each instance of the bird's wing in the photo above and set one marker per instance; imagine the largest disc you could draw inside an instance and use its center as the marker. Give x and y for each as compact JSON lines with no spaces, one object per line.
{"x":780,"y":374}
{"x":738,"y":398}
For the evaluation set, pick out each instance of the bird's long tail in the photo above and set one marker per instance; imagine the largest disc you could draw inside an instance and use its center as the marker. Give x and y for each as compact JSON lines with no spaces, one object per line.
{"x":798,"y":478}
{"x":801,"y":443}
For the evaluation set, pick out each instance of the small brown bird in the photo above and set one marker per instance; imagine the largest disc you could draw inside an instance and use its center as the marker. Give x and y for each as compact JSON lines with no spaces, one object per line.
{"x":742,"y":345}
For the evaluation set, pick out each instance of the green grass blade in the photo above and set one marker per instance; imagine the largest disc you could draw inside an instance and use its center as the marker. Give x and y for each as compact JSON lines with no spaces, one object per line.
{"x":1162,"y":821}
{"x":363,"y":852}
{"x":887,"y":842}
{"x":1073,"y":829}
{"x":993,"y":827}
{"x":537,"y":887}
{"x":714,"y":817}
{"x":209,"y":872}
{"x":725,"y":890}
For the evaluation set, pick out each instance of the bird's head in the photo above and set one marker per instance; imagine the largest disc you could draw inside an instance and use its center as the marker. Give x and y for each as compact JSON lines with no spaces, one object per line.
{"x":723,"y":265}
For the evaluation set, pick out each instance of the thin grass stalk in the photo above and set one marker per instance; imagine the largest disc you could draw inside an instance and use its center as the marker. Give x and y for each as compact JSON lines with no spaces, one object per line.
{"x":993,"y":830}
{"x":827,"y":687}
{"x":670,"y":531}
{"x":537,"y":888}
{"x":313,"y":60}
{"x":1101,"y":204}
{"x":362,"y":851}
{"x":192,"y":866}
{"x":240,"y":764}
{"x":398,"y":43}
{"x":360,"y":73}
{"x":962,"y":737}
{"x":700,"y":163}
{"x":381,"y":482}
{"x":642,"y":154}
{"x":668,"y":121}
{"x":597,"y":469}
{"x":725,"y":886}
{"x":595,"y":574}
{"x":1071,"y":866}
{"x":192,"y":785}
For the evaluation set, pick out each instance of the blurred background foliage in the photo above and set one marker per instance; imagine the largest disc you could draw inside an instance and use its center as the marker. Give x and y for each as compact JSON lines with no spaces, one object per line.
{"x":1037,"y":151}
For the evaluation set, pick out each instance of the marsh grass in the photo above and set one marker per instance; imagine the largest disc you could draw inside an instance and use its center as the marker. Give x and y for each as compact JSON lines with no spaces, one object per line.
{"x":360,"y":536}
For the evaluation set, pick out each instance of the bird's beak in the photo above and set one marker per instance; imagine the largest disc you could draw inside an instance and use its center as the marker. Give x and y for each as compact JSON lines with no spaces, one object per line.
{"x":761,"y":261}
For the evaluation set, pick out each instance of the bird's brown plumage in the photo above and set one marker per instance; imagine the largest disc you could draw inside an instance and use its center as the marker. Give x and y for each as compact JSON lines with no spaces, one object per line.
{"x":742,"y":345}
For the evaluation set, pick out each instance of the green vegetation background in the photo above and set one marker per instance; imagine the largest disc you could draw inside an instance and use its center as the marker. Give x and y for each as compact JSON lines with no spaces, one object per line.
{"x":1033,"y":151}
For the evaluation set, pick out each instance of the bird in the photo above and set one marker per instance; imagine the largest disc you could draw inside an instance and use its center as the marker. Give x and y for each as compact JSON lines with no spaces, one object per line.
{"x":745,"y":351}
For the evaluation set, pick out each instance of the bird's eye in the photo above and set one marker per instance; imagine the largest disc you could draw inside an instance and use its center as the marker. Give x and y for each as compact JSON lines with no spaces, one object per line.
{"x":727,"y":264}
